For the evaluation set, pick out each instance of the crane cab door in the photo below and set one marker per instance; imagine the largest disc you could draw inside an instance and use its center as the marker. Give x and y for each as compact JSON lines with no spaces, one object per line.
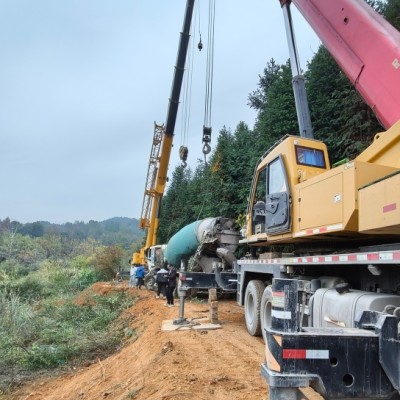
{"x":277,"y":207}
{"x":271,"y":208}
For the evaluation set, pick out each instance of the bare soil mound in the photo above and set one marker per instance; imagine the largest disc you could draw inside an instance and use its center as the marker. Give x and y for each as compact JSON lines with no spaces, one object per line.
{"x":161,"y":365}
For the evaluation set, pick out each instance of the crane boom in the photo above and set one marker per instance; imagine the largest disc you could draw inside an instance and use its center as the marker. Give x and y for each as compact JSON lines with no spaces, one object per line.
{"x":149,"y":192}
{"x":157,"y":174}
{"x":366,"y":47}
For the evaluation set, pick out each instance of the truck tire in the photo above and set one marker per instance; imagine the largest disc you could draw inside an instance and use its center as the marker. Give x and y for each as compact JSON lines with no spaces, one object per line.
{"x":252,"y":304}
{"x":266,"y":310}
{"x":151,"y":283}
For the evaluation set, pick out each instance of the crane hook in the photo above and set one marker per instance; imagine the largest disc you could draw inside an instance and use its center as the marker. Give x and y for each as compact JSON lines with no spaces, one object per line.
{"x":183,"y":154}
{"x":206,"y":139}
{"x":200,"y":44}
{"x":206,"y":148}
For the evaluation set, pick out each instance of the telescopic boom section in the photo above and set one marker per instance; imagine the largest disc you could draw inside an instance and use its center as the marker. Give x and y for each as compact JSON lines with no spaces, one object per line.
{"x":366,"y":47}
{"x":153,"y":194}
{"x":298,"y":81}
{"x":174,"y":99}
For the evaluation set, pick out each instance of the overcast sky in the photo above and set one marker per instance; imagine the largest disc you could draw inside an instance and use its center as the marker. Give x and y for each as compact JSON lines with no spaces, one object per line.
{"x":83,"y":81}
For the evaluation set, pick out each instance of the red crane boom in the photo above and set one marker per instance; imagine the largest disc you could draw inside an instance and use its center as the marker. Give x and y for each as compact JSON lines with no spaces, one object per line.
{"x":366,"y":47}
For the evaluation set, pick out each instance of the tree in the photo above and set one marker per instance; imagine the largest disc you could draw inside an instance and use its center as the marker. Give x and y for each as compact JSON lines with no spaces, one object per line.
{"x":34,"y":229}
{"x":391,"y":11}
{"x":231,"y":170}
{"x":8,"y":239}
{"x":219,"y":188}
{"x":258,"y":99}
{"x":274,"y":100}
{"x":108,"y":261}
{"x":176,"y":210}
{"x":339,"y":115}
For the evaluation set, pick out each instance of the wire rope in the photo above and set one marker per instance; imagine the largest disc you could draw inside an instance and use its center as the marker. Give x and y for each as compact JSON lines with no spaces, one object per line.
{"x":187,"y":97}
{"x":209,"y":79}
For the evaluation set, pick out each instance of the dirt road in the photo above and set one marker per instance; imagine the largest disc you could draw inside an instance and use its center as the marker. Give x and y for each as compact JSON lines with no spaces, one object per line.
{"x":215,"y":364}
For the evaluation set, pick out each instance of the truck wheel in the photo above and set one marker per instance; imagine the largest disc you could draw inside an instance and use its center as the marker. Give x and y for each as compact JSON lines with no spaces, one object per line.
{"x":252,"y":303}
{"x":266,"y":310}
{"x":150,"y":283}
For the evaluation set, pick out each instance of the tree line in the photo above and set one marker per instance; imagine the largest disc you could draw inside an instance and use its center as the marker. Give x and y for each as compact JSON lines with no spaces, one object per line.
{"x":119,"y":231}
{"x":340,"y":118}
{"x":95,"y":250}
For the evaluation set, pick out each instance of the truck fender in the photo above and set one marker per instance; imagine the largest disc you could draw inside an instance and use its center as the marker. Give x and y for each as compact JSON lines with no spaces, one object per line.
{"x":252,"y":304}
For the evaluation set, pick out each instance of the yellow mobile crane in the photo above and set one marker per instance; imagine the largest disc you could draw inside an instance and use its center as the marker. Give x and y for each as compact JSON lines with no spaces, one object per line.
{"x":161,"y":148}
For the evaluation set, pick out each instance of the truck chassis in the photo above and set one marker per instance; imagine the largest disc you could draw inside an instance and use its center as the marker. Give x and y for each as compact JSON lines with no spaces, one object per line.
{"x":289,"y":301}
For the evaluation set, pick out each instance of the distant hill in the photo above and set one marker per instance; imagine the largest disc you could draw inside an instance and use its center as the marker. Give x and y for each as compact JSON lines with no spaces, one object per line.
{"x":114,"y":231}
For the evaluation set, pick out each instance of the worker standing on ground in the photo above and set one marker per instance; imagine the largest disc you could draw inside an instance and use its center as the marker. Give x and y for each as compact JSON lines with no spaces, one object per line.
{"x":162,"y":280}
{"x":139,"y":276}
{"x":132,"y":280}
{"x":171,"y":285}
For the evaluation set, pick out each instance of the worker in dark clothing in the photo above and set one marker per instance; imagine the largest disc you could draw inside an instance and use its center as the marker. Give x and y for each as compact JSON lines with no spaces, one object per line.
{"x":162,"y":281}
{"x":171,"y":285}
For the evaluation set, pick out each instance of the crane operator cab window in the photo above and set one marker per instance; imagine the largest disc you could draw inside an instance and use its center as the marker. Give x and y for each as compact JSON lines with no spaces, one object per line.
{"x":310,"y":157}
{"x":271,"y":208}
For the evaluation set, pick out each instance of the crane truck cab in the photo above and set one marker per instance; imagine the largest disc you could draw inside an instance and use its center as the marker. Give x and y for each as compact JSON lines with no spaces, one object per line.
{"x":271,"y":213}
{"x":296,"y":197}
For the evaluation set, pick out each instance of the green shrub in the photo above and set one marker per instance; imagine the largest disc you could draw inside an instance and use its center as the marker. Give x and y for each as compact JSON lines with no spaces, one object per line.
{"x":18,"y":328}
{"x":72,"y":333}
{"x":40,"y":357}
{"x":108,"y":261}
{"x":58,"y":275}
{"x":11,"y":269}
{"x":85,"y":274}
{"x":81,"y":262}
{"x":31,"y":288}
{"x":85,"y":277}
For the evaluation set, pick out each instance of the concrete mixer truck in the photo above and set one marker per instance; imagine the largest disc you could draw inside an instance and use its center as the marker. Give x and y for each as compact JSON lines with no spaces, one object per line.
{"x":205,"y":249}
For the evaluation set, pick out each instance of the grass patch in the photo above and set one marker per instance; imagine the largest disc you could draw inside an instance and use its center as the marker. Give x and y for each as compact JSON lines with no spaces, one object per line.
{"x":198,"y":300}
{"x":59,"y":332}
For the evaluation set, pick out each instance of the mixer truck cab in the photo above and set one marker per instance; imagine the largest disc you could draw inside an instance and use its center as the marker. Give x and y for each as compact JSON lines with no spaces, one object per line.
{"x":155,"y":256}
{"x":271,"y":212}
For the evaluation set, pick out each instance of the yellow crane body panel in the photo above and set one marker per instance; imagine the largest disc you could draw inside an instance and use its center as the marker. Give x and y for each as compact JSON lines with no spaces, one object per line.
{"x":380,"y":206}
{"x":329,"y":202}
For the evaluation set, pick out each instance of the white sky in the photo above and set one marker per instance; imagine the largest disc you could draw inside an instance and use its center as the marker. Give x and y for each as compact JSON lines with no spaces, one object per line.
{"x":82,"y":82}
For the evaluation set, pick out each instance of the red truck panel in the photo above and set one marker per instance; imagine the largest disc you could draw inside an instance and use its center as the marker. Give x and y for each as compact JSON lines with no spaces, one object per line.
{"x":366,"y":47}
